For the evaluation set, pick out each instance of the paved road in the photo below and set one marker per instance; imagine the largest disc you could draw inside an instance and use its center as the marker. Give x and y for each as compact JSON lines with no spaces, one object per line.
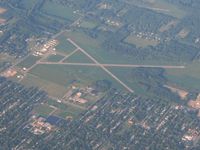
{"x":70,"y":54}
{"x":116,"y":65}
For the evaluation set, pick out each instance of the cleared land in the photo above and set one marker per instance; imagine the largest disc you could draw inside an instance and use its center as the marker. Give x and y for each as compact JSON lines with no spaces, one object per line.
{"x":28,"y":4}
{"x":43,"y":110}
{"x":140,"y":42}
{"x":57,"y":10}
{"x":54,"y":58}
{"x":64,"y":46}
{"x":187,"y":78}
{"x":182,"y":93}
{"x":102,"y":67}
{"x":94,"y":48}
{"x":159,"y":6}
{"x":78,"y":57}
{"x":65,"y":111}
{"x":88,"y":24}
{"x":29,"y":61}
{"x":168,"y":26}
{"x":2,"y":10}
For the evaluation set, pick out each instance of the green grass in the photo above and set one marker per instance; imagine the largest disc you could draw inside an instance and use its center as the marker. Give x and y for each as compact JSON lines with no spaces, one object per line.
{"x":55,"y":58}
{"x":65,"y":46}
{"x":65,"y":75}
{"x":65,"y":110}
{"x":94,"y":48}
{"x":140,"y":42}
{"x":59,"y":10}
{"x":188,"y":78}
{"x":43,"y":110}
{"x":78,"y":57}
{"x":161,"y":6}
{"x":28,"y":4}
{"x":88,"y":24}
{"x":125,"y":75}
{"x":29,"y":61}
{"x":51,"y":88}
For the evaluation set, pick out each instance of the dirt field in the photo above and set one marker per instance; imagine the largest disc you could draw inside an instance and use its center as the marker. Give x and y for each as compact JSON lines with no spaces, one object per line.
{"x":169,"y":25}
{"x":2,"y":20}
{"x":2,"y":10}
{"x":182,"y":93}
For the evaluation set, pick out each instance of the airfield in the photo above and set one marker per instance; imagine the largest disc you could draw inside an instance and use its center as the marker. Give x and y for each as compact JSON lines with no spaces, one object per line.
{"x":72,"y":61}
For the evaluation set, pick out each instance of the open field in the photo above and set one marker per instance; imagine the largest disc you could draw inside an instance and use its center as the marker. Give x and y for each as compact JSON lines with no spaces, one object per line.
{"x":78,"y":57}
{"x":94,"y":48}
{"x":2,"y":10}
{"x":64,"y":46}
{"x":28,"y":4}
{"x":43,"y":110}
{"x":182,"y":93}
{"x":100,"y":65}
{"x":54,"y":58}
{"x":140,"y":42}
{"x":50,"y":87}
{"x":188,"y":78}
{"x":2,"y":20}
{"x":52,"y":107}
{"x":88,"y":24}
{"x":64,"y":110}
{"x":168,"y":26}
{"x":61,"y":11}
{"x":29,"y":61}
{"x":125,"y":74}
{"x":63,"y":75}
{"x":160,"y":6}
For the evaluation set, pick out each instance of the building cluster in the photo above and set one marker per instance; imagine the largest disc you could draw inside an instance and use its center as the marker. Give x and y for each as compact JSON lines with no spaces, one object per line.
{"x":78,"y":95}
{"x":195,"y":104}
{"x":123,"y":113}
{"x":39,"y":126}
{"x":50,"y":45}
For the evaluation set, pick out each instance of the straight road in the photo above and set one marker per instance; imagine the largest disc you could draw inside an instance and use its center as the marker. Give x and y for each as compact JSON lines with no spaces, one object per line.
{"x":116,"y":65}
